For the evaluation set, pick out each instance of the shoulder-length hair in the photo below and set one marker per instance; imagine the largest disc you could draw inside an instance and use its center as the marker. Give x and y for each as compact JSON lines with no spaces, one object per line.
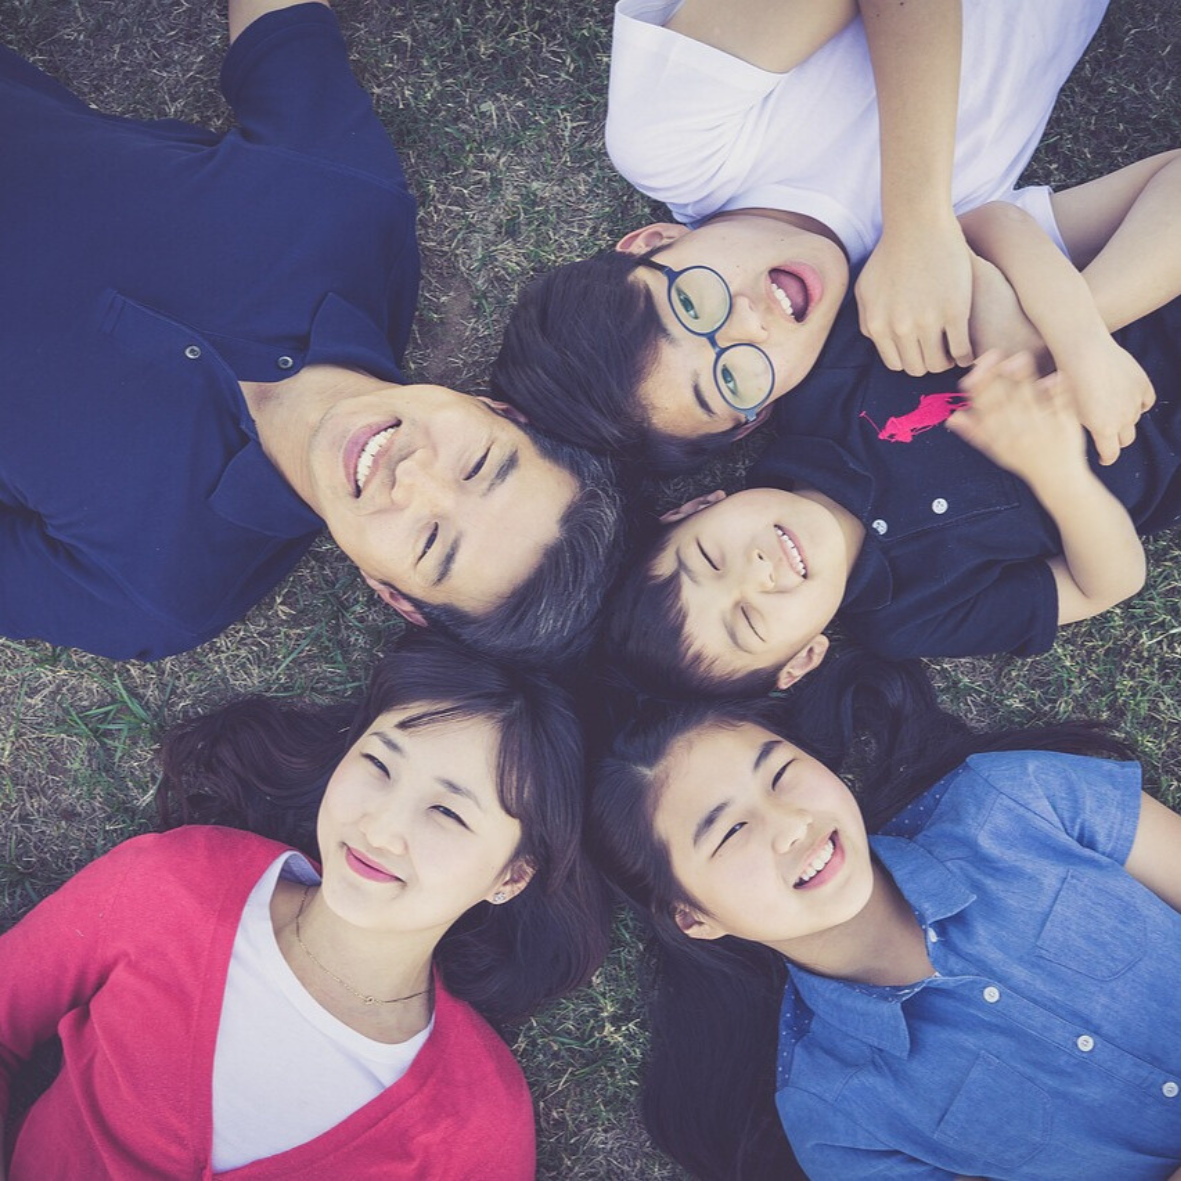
{"x":263,"y":765}
{"x":709,"y":1088}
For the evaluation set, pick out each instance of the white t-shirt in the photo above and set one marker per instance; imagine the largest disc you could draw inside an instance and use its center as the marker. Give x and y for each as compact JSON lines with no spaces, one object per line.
{"x":285,"y":1070}
{"x":705,"y":132}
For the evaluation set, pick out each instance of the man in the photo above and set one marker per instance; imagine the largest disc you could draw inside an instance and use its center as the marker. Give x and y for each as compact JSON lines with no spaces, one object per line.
{"x":200,"y":360}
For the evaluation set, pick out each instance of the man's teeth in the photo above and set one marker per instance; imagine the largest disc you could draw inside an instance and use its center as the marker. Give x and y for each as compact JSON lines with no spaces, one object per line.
{"x":369,"y":454}
{"x":797,"y":559}
{"x":784,"y":302}
{"x":818,"y":862}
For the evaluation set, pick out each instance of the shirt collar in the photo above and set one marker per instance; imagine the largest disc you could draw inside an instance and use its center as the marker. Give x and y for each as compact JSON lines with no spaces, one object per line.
{"x":252,"y":492}
{"x":873,"y":1013}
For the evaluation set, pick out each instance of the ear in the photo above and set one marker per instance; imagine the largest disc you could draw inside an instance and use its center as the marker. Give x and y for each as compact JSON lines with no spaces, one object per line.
{"x":661,"y":233}
{"x":518,"y":875}
{"x":695,"y":925}
{"x":803,"y":662}
{"x":504,"y":408}
{"x":397,"y":600}
{"x":692,"y":506}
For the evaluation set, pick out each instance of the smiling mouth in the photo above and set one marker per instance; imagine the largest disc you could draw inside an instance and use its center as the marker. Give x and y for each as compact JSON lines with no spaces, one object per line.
{"x":792,"y":294}
{"x":795,"y":557}
{"x":368,"y":455}
{"x":365,"y":868}
{"x":820,"y":861}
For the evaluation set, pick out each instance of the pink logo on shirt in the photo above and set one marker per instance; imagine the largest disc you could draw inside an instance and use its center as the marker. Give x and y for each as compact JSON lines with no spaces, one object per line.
{"x":930,"y":412}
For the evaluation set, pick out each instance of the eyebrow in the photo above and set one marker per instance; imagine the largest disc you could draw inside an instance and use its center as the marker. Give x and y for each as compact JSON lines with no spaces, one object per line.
{"x":711,"y":817}
{"x":699,"y":396}
{"x":508,"y":465}
{"x":698,"y":393}
{"x":457,"y":789}
{"x":384,"y":738}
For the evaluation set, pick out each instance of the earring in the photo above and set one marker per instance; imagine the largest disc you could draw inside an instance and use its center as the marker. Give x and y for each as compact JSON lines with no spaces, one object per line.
{"x":499,"y":897}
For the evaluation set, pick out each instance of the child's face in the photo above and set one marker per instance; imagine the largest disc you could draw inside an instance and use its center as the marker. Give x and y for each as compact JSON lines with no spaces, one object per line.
{"x":767,"y":840}
{"x":411,"y":828}
{"x":762,"y":259}
{"x":761,"y":573}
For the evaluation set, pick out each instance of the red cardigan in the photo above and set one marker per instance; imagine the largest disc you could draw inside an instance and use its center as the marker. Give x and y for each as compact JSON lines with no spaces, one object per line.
{"x":127,"y":962}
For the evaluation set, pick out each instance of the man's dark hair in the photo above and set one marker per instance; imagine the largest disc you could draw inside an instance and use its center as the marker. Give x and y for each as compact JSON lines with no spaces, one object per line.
{"x":552,"y":616}
{"x":577,"y":347}
{"x":645,"y":635}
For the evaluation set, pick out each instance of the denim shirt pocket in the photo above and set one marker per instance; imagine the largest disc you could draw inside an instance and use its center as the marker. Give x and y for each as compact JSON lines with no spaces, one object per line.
{"x":997,"y":1116}
{"x":1092,"y":928}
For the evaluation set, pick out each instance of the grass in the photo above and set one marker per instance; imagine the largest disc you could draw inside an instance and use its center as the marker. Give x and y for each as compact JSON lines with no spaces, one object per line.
{"x":498,"y":110}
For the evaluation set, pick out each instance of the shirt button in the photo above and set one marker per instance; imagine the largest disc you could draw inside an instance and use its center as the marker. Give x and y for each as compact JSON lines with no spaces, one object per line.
{"x":939,"y":505}
{"x":193,"y":352}
{"x":1085,"y":1042}
{"x":932,"y":935}
{"x":879,"y":526}
{"x":284,"y":362}
{"x":1170,"y":1089}
{"x":992,"y":994}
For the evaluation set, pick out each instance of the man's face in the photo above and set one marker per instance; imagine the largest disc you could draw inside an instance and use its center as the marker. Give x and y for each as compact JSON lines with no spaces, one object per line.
{"x":786,"y":285}
{"x":436,"y":494}
{"x":761,"y":574}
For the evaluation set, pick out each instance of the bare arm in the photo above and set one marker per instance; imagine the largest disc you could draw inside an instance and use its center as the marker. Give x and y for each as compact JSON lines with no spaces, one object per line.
{"x":1029,"y":428}
{"x":1155,"y":859}
{"x":914,"y":293}
{"x":774,"y":35}
{"x":1109,"y":387}
{"x":242,"y":14}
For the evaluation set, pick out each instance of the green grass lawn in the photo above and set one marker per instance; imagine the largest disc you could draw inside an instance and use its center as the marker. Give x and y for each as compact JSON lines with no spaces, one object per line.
{"x":498,"y":109}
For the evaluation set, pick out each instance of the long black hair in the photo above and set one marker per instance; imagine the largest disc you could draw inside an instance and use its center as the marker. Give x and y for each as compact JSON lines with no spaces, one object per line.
{"x":263,"y":765}
{"x":708,"y":1097}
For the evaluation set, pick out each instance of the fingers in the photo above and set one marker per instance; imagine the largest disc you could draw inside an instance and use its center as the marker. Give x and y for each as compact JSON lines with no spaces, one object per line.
{"x":959,"y":343}
{"x":1147,"y":398}
{"x":1107,"y":446}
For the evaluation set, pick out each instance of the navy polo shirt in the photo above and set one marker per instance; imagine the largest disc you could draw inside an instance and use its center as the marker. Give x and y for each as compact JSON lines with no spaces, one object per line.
{"x":1047,"y":1047}
{"x":954,"y":561}
{"x":146,"y":268}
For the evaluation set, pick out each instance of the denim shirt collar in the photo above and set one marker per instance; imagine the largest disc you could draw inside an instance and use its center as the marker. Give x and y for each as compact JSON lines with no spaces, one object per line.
{"x":873,"y":1013}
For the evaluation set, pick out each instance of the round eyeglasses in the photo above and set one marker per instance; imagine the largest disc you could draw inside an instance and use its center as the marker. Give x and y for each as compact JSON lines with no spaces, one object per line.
{"x":701,"y":301}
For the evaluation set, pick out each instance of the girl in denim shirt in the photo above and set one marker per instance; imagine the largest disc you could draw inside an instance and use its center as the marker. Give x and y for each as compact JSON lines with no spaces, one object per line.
{"x":984,"y":987}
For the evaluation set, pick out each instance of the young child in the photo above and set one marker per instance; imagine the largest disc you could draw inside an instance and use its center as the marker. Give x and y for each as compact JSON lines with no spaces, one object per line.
{"x":228,"y":1006}
{"x":605,"y":352}
{"x":984,"y":988}
{"x":982,"y":535}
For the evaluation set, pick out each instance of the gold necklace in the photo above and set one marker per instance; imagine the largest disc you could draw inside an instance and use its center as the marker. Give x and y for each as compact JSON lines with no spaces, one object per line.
{"x":369,"y":1000}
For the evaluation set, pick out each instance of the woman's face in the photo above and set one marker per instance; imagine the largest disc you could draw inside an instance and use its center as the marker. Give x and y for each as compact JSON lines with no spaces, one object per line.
{"x":767,"y":840}
{"x":411,"y":829}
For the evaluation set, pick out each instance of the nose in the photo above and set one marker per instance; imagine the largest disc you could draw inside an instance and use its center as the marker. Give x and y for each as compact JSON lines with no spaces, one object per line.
{"x":421,"y":483}
{"x":761,"y":572}
{"x":744,"y":324}
{"x":791,"y":825}
{"x":385,"y":828}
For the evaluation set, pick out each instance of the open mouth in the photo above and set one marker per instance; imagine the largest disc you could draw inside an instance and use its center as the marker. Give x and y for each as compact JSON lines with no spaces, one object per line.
{"x":793,"y":293}
{"x":792,"y":551}
{"x":368,"y":454}
{"x":823,"y":864}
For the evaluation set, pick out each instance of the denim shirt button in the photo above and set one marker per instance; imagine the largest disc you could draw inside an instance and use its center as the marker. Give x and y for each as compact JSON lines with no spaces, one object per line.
{"x":879,"y":526}
{"x":939,"y":505}
{"x":285,"y":362}
{"x":1169,"y":1090}
{"x":1085,"y":1042}
{"x":193,"y":352}
{"x":992,"y":994}
{"x":932,"y":935}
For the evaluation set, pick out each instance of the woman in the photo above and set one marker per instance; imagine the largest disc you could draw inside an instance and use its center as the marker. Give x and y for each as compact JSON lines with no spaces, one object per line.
{"x":984,"y":988}
{"x":228,"y":1006}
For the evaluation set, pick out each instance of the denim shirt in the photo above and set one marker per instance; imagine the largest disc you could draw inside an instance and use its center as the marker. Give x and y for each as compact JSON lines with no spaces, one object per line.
{"x":1048,"y":1043}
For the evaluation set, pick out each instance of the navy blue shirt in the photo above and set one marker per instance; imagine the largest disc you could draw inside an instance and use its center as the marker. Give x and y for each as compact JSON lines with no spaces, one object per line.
{"x":1048,"y":1044}
{"x":146,"y":268}
{"x":954,"y":561}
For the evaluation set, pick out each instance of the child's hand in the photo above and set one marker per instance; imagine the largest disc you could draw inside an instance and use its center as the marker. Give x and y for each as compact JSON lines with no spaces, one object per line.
{"x":1022,"y":423}
{"x":1110,"y":391}
{"x":914,"y":297}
